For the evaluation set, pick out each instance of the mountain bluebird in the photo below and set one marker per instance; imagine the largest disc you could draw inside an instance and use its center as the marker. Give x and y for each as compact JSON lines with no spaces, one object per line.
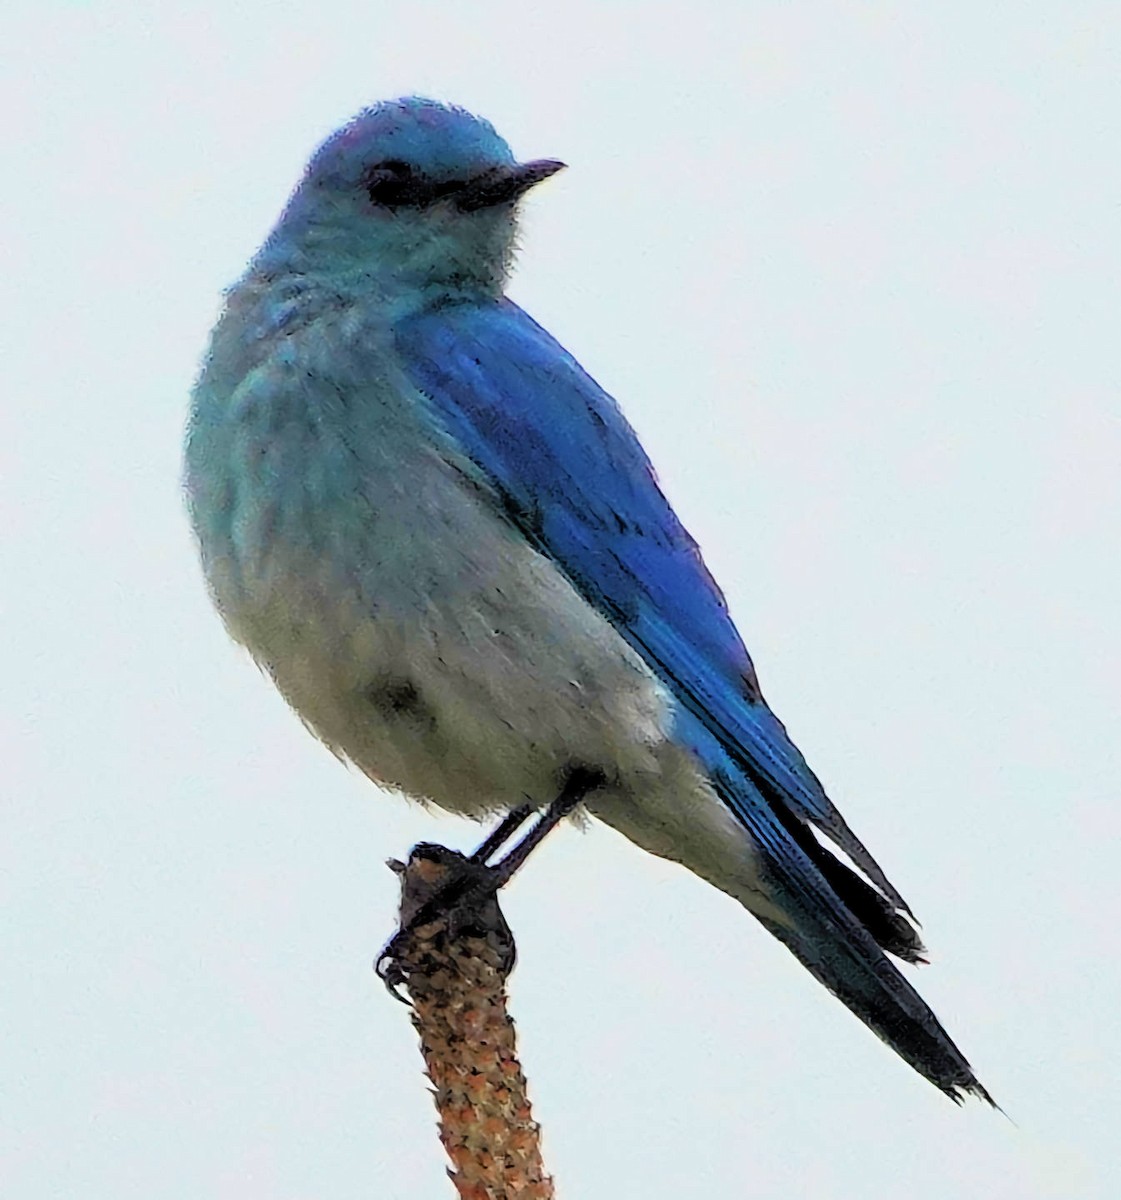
{"x":445,"y":544}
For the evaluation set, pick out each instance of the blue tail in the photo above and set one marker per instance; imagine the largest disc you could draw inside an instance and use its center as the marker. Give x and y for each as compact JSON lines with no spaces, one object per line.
{"x":836,"y":924}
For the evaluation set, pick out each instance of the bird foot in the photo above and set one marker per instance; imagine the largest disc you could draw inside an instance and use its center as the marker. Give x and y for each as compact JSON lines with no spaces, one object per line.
{"x":445,"y":897}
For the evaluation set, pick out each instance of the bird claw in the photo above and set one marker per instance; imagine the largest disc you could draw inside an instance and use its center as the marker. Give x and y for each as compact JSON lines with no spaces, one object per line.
{"x":388,"y":968}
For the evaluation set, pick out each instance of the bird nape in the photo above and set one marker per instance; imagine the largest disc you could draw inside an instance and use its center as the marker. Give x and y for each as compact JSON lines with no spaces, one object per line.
{"x":443,"y":541}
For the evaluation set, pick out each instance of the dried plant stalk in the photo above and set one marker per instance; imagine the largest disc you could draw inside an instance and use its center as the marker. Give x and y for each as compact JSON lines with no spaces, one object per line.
{"x":454,"y":968}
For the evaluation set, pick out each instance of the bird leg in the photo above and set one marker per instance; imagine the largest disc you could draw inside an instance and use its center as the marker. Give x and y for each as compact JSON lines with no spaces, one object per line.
{"x":510,"y":824}
{"x":465,"y":885}
{"x":580,"y":782}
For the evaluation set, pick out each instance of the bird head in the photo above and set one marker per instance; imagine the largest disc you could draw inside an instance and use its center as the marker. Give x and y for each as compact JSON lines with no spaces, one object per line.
{"x":412,"y":195}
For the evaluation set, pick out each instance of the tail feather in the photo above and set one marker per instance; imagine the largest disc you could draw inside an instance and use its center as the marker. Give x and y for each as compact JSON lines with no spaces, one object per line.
{"x":892,"y":930}
{"x":893,"y":1010}
{"x":839,"y":927}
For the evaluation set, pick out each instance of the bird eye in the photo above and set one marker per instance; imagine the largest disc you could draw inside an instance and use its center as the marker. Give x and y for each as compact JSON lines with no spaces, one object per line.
{"x":389,"y":183}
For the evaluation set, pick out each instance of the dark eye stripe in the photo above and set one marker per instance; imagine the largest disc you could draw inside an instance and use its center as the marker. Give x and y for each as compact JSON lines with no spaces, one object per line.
{"x":394,"y":184}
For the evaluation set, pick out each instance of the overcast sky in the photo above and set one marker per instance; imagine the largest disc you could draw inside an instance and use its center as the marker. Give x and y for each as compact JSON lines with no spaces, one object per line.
{"x":852,"y":271}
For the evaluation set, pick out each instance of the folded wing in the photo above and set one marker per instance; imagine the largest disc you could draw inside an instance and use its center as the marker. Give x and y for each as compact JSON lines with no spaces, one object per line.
{"x":579,"y":485}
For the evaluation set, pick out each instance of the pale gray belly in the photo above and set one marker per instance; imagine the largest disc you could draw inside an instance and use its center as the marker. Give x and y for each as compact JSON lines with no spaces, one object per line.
{"x":458,"y":666}
{"x":444,"y":656}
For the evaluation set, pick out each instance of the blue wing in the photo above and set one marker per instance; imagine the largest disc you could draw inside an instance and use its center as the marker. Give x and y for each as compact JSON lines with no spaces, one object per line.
{"x":578,"y":483}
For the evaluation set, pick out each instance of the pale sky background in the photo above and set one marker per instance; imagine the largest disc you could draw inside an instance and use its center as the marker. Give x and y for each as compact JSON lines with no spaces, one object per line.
{"x":853,"y":272}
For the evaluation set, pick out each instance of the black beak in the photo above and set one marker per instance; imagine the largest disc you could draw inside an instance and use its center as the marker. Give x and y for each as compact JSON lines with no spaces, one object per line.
{"x":504,"y":185}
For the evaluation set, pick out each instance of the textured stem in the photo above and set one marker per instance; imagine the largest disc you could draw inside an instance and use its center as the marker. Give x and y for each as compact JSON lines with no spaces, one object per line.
{"x":454,"y":969}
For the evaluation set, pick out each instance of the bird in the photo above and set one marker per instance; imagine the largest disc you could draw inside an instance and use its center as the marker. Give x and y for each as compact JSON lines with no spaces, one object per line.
{"x":442,"y":540}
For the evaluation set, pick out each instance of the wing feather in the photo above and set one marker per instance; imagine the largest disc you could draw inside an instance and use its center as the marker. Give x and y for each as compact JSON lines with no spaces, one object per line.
{"x":573,"y":475}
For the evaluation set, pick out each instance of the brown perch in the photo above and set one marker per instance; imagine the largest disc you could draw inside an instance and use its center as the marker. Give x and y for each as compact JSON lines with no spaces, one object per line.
{"x":454,"y":969}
